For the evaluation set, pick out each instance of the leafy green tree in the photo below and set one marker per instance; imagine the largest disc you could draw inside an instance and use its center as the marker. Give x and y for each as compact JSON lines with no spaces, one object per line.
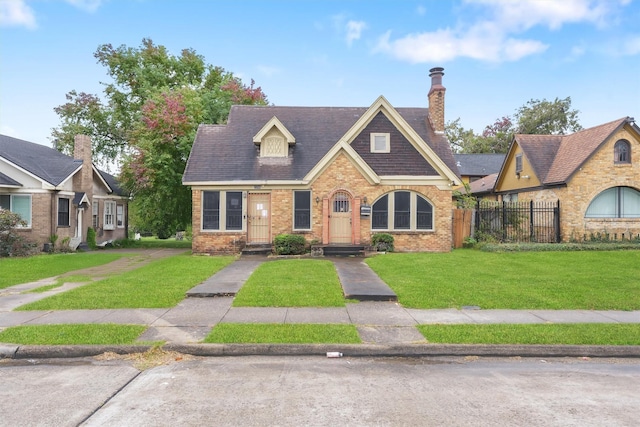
{"x":148,"y":116}
{"x":535,"y":117}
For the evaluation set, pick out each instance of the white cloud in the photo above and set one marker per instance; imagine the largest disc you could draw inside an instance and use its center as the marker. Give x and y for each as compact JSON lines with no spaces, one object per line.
{"x":421,"y":10}
{"x":268,"y":70}
{"x":497,"y":35}
{"x":86,"y":5}
{"x":354,"y":30}
{"x":16,"y":13}
{"x":632,"y":46}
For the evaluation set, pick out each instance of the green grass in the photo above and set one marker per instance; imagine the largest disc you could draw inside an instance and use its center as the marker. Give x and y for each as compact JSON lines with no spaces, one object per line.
{"x":606,"y":280}
{"x":571,"y":334}
{"x":72,"y":334}
{"x":16,"y":271}
{"x":159,"y":284}
{"x":264,"y":333}
{"x":292,"y":283}
{"x":61,"y":281}
{"x":153,"y":243}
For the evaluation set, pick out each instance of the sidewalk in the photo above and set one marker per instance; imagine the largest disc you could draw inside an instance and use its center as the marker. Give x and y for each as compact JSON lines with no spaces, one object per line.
{"x":380,"y":320}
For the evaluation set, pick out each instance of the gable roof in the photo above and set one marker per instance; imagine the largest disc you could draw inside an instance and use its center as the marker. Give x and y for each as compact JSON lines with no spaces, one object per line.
{"x":225,"y":153}
{"x":555,"y":158}
{"x":484,"y":184}
{"x":47,"y":164}
{"x":478,"y":164}
{"x":7,"y":181}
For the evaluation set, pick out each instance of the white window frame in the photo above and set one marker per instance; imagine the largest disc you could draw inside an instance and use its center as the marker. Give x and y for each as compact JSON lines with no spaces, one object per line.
{"x":413,"y":212}
{"x":11,"y":208}
{"x":109,"y":215}
{"x":95,"y":218}
{"x":222,"y":212}
{"x":387,"y":142}
{"x":310,"y":211}
{"x":120,"y":216}
{"x":68,"y":216}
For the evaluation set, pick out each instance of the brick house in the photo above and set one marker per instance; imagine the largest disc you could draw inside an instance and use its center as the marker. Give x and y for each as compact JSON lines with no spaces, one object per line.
{"x":594,"y":173}
{"x":58,"y":194}
{"x":334,"y":175}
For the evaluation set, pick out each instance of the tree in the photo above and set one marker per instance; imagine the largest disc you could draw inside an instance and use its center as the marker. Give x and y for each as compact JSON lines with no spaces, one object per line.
{"x":148,"y":116}
{"x":535,"y":117}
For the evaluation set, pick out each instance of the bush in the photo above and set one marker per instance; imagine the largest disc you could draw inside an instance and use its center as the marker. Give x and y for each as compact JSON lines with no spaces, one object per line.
{"x":382,"y":242}
{"x":91,"y":238}
{"x":289,"y":244}
{"x":12,"y":243}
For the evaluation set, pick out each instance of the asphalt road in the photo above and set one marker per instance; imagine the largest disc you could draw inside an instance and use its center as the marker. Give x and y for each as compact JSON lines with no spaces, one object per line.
{"x":295,"y":391}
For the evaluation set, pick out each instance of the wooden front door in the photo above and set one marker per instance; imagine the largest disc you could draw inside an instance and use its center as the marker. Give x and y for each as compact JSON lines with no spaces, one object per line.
{"x":340,"y":218}
{"x":259,"y":218}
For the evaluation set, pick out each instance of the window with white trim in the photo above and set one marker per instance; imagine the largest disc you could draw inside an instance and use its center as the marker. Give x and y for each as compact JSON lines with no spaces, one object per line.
{"x":95,"y":218}
{"x":615,"y":202}
{"x":380,"y":143}
{"x":403,"y":210}
{"x":302,"y":210}
{"x":120,"y":216}
{"x":19,"y":204}
{"x":63,"y":212}
{"x":109,"y":217}
{"x":222,"y":210}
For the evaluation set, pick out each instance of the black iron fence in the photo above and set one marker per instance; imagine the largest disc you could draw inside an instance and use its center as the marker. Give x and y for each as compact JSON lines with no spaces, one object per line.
{"x":518,"y":221}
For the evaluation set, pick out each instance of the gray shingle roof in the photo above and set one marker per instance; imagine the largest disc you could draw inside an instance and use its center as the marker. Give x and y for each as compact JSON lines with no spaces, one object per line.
{"x":8,"y":181}
{"x":46,"y":163}
{"x":227,"y":153}
{"x":479,"y":164}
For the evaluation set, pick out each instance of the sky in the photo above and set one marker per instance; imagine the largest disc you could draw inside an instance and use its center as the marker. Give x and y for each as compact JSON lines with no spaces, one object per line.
{"x":496,"y":54}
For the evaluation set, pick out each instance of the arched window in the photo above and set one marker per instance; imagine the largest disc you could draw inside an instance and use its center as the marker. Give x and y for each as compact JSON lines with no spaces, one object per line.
{"x":622,"y":152}
{"x":402,"y":210}
{"x":616,"y":202}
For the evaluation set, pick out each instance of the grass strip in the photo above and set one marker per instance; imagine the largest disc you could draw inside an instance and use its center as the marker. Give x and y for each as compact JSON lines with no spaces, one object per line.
{"x":159,"y":284}
{"x":565,"y":333}
{"x":16,"y":271}
{"x":287,"y":333}
{"x":292,"y":283}
{"x":74,"y":334}
{"x":605,"y":280}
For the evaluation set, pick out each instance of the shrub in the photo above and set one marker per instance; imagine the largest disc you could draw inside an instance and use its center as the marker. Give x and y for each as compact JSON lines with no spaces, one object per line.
{"x":289,"y":244}
{"x":12,"y":243}
{"x":91,"y":238}
{"x":382,"y":242}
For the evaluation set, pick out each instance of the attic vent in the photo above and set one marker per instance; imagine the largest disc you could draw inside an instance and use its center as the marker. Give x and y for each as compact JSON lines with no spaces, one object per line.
{"x":273,"y":146}
{"x":274,"y":139}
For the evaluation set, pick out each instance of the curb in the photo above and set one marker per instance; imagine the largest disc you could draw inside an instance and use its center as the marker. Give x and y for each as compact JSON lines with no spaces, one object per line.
{"x":8,"y":351}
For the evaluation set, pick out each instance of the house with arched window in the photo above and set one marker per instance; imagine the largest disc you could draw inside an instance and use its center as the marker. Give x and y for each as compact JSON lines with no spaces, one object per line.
{"x":335,"y":175}
{"x":594,"y":173}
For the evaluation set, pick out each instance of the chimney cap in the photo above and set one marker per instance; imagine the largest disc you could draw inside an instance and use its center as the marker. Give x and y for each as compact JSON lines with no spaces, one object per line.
{"x":436,"y":70}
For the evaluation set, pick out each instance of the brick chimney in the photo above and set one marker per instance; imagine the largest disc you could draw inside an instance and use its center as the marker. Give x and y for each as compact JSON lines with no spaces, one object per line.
{"x":82,"y":151}
{"x":436,"y":99}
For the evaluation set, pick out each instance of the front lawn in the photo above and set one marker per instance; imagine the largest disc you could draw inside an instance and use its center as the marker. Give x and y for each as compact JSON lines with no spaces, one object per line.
{"x":16,"y":271}
{"x":159,"y":284}
{"x":292,"y":283}
{"x":288,"y":333}
{"x":569,"y":334}
{"x":606,"y":280}
{"x":76,"y":334}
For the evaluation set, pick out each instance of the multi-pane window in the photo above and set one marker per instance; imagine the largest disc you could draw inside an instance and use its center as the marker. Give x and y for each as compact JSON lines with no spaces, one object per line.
{"x":380,"y":143}
{"x":63,"y":212}
{"x":211,"y":210}
{"x":404,"y":209}
{"x":622,"y":152}
{"x":234,"y":210}
{"x":120,"y":216}
{"x":302,"y":210}
{"x":95,"y":218}
{"x":222,"y":210}
{"x":19,"y":204}
{"x":518,"y":163}
{"x":616,"y":202}
{"x":109,"y":217}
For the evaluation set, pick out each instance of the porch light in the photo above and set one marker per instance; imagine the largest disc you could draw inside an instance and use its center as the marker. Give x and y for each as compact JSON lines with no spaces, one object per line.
{"x":317,"y":199}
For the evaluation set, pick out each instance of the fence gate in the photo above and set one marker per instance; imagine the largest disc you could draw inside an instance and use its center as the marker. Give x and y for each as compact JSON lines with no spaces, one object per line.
{"x":537,"y":222}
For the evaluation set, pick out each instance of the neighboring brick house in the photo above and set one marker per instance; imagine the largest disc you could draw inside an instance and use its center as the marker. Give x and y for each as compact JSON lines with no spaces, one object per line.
{"x":60,"y":195}
{"x":594,"y":173}
{"x":334,"y":175}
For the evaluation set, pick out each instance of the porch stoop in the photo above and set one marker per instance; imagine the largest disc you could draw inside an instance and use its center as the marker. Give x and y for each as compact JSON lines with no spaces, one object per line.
{"x":261,"y":249}
{"x":338,"y":250}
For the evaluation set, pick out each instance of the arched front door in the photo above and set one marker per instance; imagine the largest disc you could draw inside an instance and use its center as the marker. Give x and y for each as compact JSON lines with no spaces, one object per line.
{"x":340,"y":208}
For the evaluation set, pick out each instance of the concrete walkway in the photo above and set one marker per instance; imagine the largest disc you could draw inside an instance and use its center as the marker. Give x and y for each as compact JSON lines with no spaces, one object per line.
{"x":378,"y":322}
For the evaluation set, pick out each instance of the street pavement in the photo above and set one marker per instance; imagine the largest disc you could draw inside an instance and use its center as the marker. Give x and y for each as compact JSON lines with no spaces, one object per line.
{"x":384,"y":326}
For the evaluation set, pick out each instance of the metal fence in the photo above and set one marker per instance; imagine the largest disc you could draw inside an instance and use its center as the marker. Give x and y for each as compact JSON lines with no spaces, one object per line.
{"x":518,"y":221}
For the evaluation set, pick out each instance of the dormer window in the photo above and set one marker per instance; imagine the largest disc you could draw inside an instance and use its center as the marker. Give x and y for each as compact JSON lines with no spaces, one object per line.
{"x":274,"y":139}
{"x":380,"y":143}
{"x":622,"y":152}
